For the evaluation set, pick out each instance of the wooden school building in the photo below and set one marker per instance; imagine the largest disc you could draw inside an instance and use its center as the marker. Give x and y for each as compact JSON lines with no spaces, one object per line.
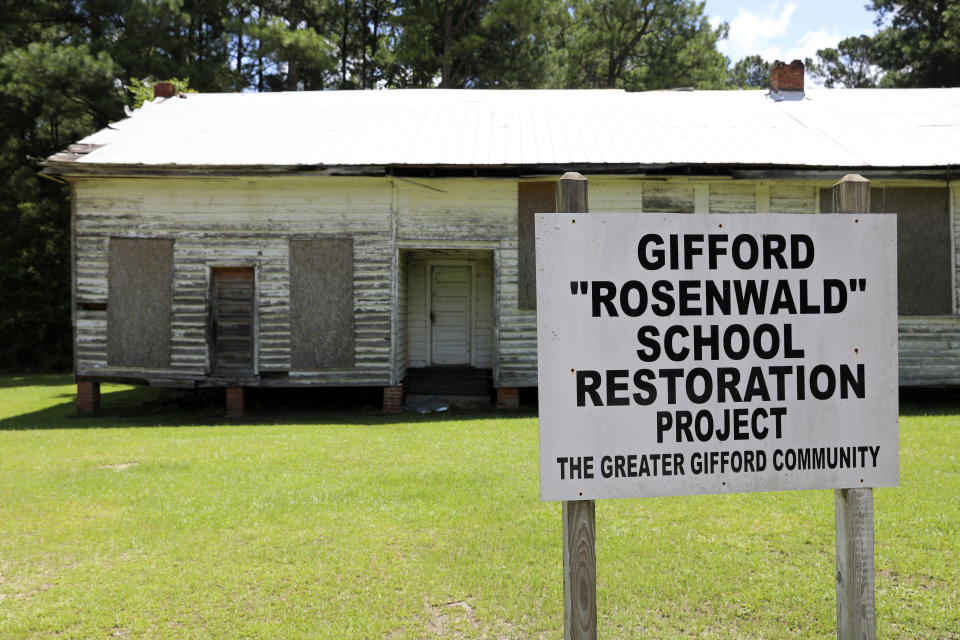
{"x":362,"y":238}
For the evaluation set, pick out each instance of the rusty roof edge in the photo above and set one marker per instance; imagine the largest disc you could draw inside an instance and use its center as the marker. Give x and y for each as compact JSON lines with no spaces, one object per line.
{"x":68,"y":168}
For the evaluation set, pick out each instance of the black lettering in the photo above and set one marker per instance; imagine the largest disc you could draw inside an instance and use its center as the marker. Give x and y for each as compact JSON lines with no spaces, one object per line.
{"x":756,"y":386}
{"x":850,"y":383}
{"x":739,"y":243}
{"x":805,"y":306}
{"x":759,"y":431}
{"x":689,"y":293}
{"x":740,"y":424}
{"x":646,"y":337}
{"x":773,"y":248}
{"x":830,"y":287}
{"x":707,"y":384}
{"x":727,"y":380}
{"x":613,"y":375}
{"x":684,"y":422}
{"x":715,"y":249}
{"x":778,"y":413}
{"x":603,"y":293}
{"x":703,"y":425}
{"x":650,"y":258}
{"x":661,"y":293}
{"x":766,"y":353}
{"x":691,"y":242}
{"x":668,"y":343}
{"x":647,"y":391}
{"x":743,"y":348}
{"x":783,"y":299}
{"x":798,"y":241}
{"x":587,"y":383}
{"x":712,"y":341}
{"x":747,"y":295}
{"x":664,"y":424}
{"x":671,"y":376}
{"x":626,"y":306}
{"x":822,"y":392}
{"x":788,"y":350}
{"x":717,"y":297}
{"x":780,"y":373}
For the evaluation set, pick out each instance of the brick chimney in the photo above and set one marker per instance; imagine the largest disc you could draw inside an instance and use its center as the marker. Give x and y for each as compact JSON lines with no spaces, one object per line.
{"x":167,"y":90}
{"x":786,"y":77}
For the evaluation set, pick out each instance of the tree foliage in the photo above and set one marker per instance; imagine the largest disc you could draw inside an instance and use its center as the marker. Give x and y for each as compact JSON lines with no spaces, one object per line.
{"x":646,"y":44}
{"x":68,"y":68}
{"x":852,"y":64}
{"x":918,"y":44}
{"x":752,"y":72}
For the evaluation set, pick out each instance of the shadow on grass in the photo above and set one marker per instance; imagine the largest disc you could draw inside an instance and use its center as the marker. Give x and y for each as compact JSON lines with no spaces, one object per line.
{"x":156,"y":407}
{"x":929,"y":402}
{"x":35,"y":380}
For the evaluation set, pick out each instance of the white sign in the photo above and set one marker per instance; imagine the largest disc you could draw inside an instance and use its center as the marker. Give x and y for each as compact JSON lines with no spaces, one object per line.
{"x":685,"y":354}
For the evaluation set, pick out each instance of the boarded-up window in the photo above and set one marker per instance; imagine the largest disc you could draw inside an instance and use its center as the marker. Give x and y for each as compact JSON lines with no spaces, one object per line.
{"x":924,"y":261}
{"x":532,"y":197}
{"x":138,"y":302}
{"x":321,"y":303}
{"x":234,"y":305}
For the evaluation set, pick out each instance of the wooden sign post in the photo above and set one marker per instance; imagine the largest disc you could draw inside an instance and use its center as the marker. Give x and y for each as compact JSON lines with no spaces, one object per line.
{"x":856,"y":607}
{"x":685,"y":354}
{"x":579,"y":516}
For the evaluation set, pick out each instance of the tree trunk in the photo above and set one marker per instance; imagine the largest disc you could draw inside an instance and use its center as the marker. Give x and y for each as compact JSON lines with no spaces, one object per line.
{"x":446,"y":62}
{"x":343,"y":45}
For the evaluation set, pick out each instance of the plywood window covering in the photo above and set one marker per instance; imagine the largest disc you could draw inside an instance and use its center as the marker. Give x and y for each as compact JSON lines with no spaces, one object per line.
{"x":233,"y":301}
{"x":139,"y":302}
{"x":532,"y":197}
{"x":924,"y":260}
{"x":321,"y":303}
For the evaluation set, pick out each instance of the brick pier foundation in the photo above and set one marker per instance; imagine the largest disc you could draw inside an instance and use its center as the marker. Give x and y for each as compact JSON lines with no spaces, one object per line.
{"x":235,"y":402}
{"x":508,"y":398}
{"x":88,"y":398}
{"x":393,"y":399}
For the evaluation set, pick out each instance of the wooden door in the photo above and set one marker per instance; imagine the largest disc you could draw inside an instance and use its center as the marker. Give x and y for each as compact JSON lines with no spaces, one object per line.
{"x":450,"y":308}
{"x":233,"y":325}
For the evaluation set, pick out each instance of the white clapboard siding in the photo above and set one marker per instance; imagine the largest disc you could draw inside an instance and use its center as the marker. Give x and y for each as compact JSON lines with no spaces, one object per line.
{"x":398,"y":226}
{"x":955,"y":228}
{"x":239,"y":222}
{"x":402,"y":330}
{"x":668,"y":196}
{"x":788,"y":198}
{"x":417,"y":317}
{"x":456,"y":212}
{"x":733,"y":197}
{"x":614,"y":195}
{"x":484,"y":317}
{"x":929,"y":351}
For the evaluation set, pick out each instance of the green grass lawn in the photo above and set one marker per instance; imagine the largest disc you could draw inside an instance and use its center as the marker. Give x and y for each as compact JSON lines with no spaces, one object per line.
{"x":161,"y":519}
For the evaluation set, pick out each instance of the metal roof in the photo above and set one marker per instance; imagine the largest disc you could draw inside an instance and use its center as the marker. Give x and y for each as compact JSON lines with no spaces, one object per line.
{"x":498,"y":128}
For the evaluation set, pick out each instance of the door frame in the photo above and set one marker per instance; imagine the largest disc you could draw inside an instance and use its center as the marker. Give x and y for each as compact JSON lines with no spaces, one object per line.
{"x":428,"y":304}
{"x":210,"y":364}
